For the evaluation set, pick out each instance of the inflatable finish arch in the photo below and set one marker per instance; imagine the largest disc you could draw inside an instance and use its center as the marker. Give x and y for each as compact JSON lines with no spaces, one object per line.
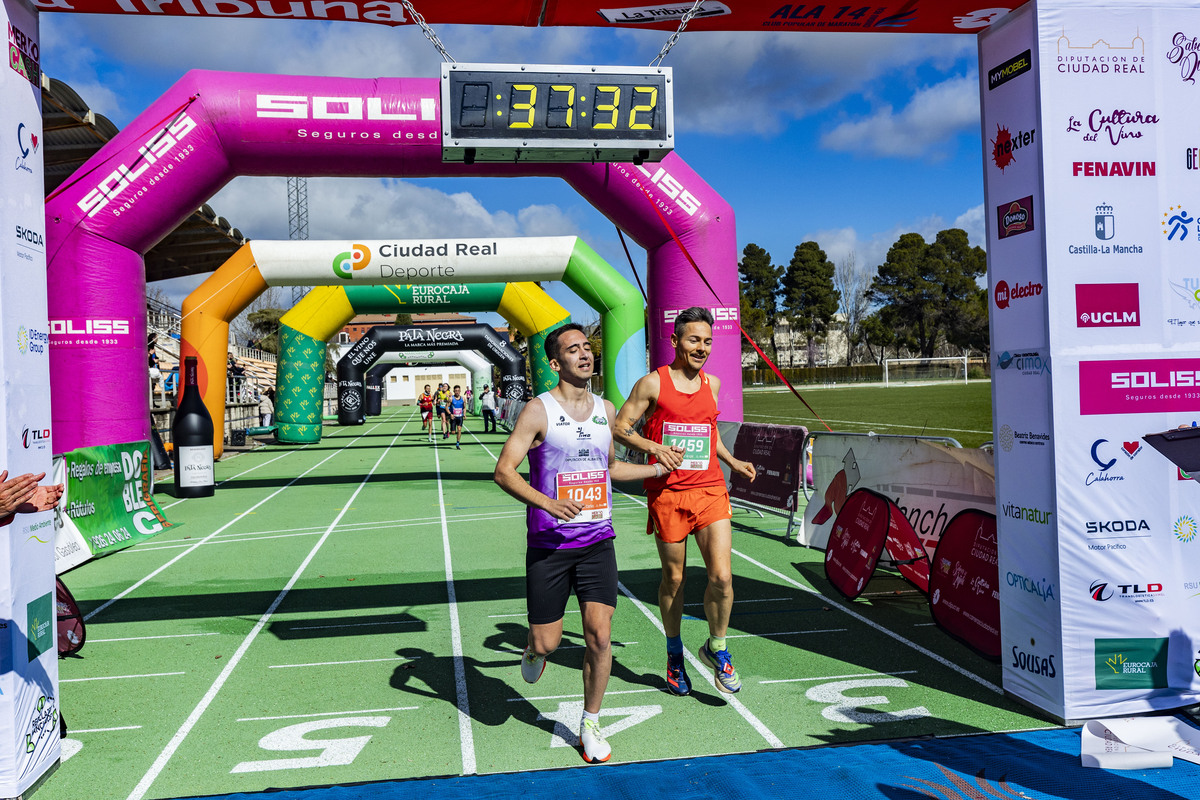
{"x":352,"y":367}
{"x":213,"y":126}
{"x":304,"y":330}
{"x":478,"y":367}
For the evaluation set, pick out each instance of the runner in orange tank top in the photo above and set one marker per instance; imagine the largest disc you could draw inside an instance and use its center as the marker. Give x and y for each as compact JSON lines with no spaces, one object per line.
{"x":681,"y":433}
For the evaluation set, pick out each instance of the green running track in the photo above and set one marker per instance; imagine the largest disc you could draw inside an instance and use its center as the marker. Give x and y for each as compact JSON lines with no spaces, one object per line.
{"x":353,"y":610}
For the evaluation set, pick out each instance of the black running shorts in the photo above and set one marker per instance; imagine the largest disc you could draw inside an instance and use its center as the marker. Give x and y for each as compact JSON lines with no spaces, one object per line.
{"x":550,"y":575}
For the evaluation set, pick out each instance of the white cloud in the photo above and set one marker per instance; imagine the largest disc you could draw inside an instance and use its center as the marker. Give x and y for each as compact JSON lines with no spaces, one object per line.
{"x":920,"y":130}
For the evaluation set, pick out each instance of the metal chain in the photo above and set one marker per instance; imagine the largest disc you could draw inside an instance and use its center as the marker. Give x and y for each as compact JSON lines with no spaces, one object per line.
{"x":687,"y":17}
{"x":428,"y":31}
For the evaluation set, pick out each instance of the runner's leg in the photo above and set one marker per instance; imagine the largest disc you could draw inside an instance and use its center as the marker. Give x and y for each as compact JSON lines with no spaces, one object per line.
{"x":597,"y":659}
{"x":673,"y":556}
{"x":715,"y":542}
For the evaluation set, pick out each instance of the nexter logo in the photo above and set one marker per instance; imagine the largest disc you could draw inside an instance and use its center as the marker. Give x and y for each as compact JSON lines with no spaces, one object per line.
{"x":288,"y":106}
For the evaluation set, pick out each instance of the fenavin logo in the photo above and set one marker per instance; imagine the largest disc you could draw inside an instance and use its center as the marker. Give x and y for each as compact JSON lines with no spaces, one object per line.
{"x":346,"y":264}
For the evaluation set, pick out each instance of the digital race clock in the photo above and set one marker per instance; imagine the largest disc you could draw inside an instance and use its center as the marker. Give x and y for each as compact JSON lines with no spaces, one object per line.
{"x":538,"y":112}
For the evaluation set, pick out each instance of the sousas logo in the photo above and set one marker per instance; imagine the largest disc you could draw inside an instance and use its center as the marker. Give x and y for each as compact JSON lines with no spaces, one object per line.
{"x":155,"y":148}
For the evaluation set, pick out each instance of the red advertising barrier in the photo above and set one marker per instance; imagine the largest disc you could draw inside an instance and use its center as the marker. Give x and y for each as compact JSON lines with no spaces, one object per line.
{"x":904,"y":548}
{"x":70,"y":622}
{"x":856,"y":541}
{"x":965,"y":582}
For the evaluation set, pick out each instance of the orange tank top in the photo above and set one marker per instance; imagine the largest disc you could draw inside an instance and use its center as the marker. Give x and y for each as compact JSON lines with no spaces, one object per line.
{"x":690,"y":421}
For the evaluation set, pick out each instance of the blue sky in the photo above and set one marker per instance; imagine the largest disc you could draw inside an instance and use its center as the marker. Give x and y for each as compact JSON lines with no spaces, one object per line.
{"x":842,"y":138}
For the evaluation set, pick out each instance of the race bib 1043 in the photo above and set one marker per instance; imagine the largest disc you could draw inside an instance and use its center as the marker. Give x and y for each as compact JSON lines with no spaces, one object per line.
{"x":589,"y":488}
{"x":695,"y":440}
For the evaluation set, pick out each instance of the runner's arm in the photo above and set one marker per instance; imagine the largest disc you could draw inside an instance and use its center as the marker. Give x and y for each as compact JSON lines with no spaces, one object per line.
{"x":530,"y":427}
{"x":623,"y":470}
{"x":645,"y":392}
{"x":741,"y":467}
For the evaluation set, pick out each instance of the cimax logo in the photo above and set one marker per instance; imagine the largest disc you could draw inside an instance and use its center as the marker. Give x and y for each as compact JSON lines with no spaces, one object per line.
{"x":1156,"y":379}
{"x":155,"y":148}
{"x":88,"y":327}
{"x":288,"y":106}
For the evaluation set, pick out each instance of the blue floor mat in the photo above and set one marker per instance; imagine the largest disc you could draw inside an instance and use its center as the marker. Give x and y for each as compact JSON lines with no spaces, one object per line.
{"x":1030,"y":766}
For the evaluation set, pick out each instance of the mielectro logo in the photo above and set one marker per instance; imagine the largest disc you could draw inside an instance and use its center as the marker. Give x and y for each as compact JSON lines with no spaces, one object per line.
{"x":346,"y":264}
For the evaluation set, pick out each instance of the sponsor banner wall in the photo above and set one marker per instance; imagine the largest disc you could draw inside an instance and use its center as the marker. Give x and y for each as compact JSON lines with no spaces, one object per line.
{"x":776,"y":451}
{"x":107,"y":503}
{"x":1014,"y":139}
{"x":930,"y":482}
{"x":29,"y":740}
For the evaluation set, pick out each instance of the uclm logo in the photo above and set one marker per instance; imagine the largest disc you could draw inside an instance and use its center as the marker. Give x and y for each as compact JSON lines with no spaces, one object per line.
{"x":1107,"y":305}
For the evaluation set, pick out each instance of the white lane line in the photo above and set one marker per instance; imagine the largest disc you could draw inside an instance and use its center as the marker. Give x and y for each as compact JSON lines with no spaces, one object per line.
{"x":328,"y":714}
{"x":740,"y":602}
{"x":781,"y":633}
{"x":697,"y":665}
{"x":499,"y":616}
{"x":355,"y":625}
{"x":135,"y":586}
{"x":74,"y":732}
{"x":240,"y":474}
{"x":465,"y":736}
{"x":840,"y":677}
{"x":864,"y":620}
{"x":119,"y":677}
{"x":338,"y":663}
{"x":144,"y":638}
{"x":661,"y":690}
{"x":172,"y":747}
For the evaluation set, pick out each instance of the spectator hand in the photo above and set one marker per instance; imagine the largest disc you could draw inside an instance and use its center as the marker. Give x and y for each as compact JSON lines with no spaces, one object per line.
{"x":46,"y":497}
{"x":17,"y":492}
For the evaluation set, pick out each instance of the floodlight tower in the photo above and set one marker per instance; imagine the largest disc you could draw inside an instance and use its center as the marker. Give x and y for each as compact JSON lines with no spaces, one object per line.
{"x":297,"y":189}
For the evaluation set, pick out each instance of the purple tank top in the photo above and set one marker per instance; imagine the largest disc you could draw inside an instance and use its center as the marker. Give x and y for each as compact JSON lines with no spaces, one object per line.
{"x":572,"y":462}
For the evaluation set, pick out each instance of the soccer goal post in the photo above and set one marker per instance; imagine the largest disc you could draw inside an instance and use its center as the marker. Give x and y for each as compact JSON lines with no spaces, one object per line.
{"x":950,"y":369}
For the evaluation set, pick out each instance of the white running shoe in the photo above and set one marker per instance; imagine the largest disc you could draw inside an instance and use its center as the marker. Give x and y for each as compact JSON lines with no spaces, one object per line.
{"x":595,"y":749}
{"x":532,"y":666}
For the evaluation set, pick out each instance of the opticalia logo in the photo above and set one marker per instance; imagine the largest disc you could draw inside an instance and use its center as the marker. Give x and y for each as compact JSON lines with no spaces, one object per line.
{"x":1185,"y":53}
{"x":27,"y":145}
{"x":1036,"y":515}
{"x":355,"y":109}
{"x":1102,"y":591}
{"x":1005,"y":144}
{"x":1131,"y":663}
{"x":1015,"y":218}
{"x":1114,"y":169}
{"x":1014,"y":67}
{"x":31,"y":340}
{"x":1038,"y":586}
{"x":1031,"y":363}
{"x":1100,"y":450}
{"x":1184,"y":528}
{"x":156,"y":149}
{"x":1106,"y":305}
{"x":1109,"y":54}
{"x":1117,"y":125}
{"x":346,"y":264}
{"x":1177,"y":222}
{"x":37,"y":438}
{"x":1032,"y":662}
{"x":1005,"y":294}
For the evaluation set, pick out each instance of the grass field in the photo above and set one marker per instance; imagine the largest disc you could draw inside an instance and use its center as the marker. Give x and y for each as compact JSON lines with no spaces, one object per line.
{"x":963,"y":412}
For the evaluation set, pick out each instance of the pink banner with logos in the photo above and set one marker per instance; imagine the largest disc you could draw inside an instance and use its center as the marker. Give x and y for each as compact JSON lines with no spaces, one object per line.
{"x":213,"y":126}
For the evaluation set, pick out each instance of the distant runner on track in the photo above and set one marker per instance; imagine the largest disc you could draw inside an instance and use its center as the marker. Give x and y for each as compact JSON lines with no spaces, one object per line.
{"x":681,"y":434}
{"x":425,"y":403}
{"x":567,"y":434}
{"x":458,"y":410}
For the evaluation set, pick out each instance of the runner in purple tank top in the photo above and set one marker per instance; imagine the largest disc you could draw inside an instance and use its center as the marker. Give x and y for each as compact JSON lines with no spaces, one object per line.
{"x":567,"y":434}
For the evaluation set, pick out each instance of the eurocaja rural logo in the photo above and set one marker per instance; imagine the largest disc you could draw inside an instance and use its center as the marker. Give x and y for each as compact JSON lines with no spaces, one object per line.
{"x":355,"y":259}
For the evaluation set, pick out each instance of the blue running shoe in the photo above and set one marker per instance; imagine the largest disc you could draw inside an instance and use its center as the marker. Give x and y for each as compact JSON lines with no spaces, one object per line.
{"x":724,"y":675}
{"x":677,"y":677}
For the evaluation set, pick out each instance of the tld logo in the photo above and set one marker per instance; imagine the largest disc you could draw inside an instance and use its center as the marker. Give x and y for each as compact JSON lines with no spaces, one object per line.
{"x":1102,"y":591}
{"x":1106,"y":305}
{"x":36,"y":437}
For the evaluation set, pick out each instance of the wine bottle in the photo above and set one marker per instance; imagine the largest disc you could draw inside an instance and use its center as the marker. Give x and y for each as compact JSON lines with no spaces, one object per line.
{"x":192,"y":433}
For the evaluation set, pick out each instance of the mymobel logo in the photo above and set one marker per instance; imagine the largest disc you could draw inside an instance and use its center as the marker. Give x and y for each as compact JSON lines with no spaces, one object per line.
{"x":1131,"y":663}
{"x":287,"y":106}
{"x":1007,"y":143}
{"x":1015,"y":217}
{"x":1014,"y":67}
{"x":1005,"y":294}
{"x":1106,"y":305}
{"x":346,"y":264}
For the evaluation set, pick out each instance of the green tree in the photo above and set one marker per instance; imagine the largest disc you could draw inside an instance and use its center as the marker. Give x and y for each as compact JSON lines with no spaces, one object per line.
{"x":264,"y":328}
{"x":929,"y":289}
{"x":809,"y":295}
{"x":758,"y":283}
{"x":403,"y":319}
